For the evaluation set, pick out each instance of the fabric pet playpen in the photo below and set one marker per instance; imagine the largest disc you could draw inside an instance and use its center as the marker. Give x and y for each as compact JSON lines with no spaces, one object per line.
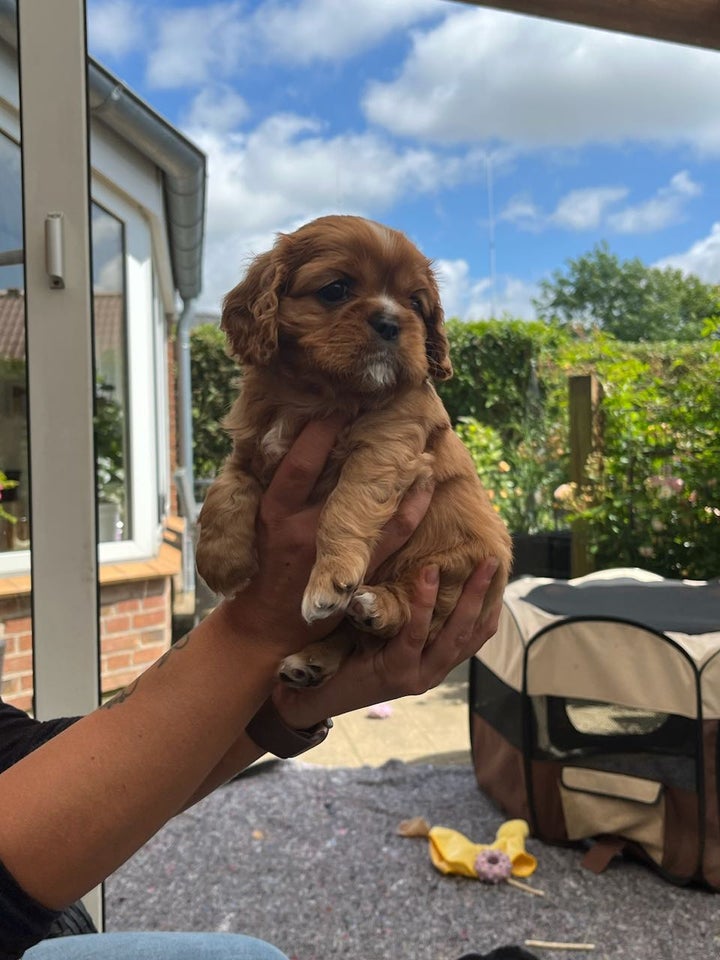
{"x":594,"y":714}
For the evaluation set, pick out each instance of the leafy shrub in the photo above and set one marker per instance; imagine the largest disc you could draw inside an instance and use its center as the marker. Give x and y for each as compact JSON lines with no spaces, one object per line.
{"x":506,"y":407}
{"x":518,"y":479}
{"x":6,"y":484}
{"x":109,"y":444}
{"x":652,"y":497}
{"x":214,"y":377}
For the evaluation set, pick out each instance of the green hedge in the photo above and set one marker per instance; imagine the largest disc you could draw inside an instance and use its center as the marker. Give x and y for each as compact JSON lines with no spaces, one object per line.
{"x":496,"y":365}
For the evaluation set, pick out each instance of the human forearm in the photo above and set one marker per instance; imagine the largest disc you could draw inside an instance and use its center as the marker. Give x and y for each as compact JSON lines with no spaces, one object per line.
{"x":239,"y":757}
{"x":76,"y":808}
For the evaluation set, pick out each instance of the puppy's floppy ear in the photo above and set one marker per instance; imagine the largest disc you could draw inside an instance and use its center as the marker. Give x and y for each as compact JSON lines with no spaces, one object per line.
{"x":436,"y":344}
{"x":249,"y":316}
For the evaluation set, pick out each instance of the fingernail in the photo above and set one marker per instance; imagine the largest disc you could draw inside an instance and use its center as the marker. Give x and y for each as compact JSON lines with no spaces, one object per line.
{"x":432,"y":574}
{"x":492,"y":564}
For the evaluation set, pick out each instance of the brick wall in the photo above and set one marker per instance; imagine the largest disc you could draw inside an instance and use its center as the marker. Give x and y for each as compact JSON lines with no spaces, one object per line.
{"x":135,"y":629}
{"x":16,"y":631}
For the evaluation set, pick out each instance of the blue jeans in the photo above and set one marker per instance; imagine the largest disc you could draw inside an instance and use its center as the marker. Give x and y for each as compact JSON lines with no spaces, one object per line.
{"x":155,"y":946}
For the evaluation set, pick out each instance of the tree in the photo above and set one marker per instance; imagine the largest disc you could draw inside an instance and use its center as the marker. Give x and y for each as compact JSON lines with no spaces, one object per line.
{"x":627,"y":299}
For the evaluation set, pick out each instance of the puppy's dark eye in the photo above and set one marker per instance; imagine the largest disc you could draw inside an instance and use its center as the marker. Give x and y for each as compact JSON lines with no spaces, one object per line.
{"x":336,"y":292}
{"x":417,"y":306}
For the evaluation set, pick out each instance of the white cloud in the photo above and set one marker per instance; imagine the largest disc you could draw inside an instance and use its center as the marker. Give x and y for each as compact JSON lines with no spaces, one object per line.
{"x":285,"y":172}
{"x":484,"y":75}
{"x":660,"y":211}
{"x":523,"y":212}
{"x":582,"y":209}
{"x":335,"y":29}
{"x":110,"y":279}
{"x":114,"y":28}
{"x":218,"y":108}
{"x":702,"y":259}
{"x":585,"y":209}
{"x":471,"y":298}
{"x":197,"y":44}
{"x":590,"y":207}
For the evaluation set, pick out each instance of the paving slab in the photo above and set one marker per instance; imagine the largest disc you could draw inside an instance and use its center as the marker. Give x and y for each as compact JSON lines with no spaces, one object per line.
{"x":431,"y":728}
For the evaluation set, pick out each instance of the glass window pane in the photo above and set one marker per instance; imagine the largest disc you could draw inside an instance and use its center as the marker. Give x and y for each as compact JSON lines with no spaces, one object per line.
{"x":108,"y":251}
{"x":111,"y":367}
{"x":14,"y":479}
{"x":16,"y":640}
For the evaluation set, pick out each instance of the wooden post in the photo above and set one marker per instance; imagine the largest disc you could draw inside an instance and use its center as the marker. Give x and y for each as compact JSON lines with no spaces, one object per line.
{"x":585,"y":396}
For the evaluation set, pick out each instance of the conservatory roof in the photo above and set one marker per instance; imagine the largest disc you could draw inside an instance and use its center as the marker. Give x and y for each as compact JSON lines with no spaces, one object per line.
{"x":695,"y":22}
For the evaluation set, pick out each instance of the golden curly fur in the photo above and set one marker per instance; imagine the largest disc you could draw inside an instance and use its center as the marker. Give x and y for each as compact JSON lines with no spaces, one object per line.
{"x":344,"y":315}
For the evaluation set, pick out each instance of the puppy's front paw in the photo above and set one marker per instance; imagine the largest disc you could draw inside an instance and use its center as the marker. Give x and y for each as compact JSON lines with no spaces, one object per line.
{"x":329,"y":590}
{"x":312,"y":666}
{"x":363,"y":610}
{"x":379,"y":610}
{"x":296,"y":671}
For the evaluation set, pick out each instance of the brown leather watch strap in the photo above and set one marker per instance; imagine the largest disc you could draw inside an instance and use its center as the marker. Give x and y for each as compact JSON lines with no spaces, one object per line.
{"x":269,"y":731}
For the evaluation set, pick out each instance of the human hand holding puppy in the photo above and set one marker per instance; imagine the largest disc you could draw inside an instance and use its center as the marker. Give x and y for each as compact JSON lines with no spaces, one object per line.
{"x":407,"y":664}
{"x":286,"y":532}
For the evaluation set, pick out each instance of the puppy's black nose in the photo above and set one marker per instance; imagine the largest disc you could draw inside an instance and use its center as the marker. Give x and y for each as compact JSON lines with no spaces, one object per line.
{"x":385,"y":326}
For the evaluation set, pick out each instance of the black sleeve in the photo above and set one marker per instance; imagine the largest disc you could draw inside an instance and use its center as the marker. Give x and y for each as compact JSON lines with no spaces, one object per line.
{"x":23,"y":921}
{"x":20,"y":734}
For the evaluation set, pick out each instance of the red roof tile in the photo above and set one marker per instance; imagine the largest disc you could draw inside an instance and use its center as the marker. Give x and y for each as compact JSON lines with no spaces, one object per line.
{"x":108,"y":311}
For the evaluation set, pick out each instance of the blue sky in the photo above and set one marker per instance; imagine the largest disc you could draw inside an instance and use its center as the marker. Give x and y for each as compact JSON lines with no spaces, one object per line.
{"x":452,"y":123}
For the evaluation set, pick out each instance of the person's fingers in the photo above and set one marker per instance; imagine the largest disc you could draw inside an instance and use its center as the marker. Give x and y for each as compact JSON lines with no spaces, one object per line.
{"x":469,"y":606}
{"x":491,"y":621}
{"x":423,"y":605}
{"x":398,"y":530}
{"x":405,"y":649}
{"x":300,"y":468}
{"x":462,"y":633}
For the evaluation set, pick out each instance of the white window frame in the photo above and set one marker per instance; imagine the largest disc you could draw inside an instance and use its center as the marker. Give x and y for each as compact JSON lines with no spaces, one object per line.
{"x":146,"y":295}
{"x":140,"y":405}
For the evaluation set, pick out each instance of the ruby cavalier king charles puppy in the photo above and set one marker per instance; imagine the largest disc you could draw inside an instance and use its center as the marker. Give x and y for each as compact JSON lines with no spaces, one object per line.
{"x":344,"y":316}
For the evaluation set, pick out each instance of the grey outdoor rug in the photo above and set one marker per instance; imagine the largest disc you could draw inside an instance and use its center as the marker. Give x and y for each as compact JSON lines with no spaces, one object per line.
{"x":308,"y":858}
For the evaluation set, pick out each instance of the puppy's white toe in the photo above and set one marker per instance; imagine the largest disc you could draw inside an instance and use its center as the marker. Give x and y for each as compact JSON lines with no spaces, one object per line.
{"x":363,"y":610}
{"x":295,"y":671}
{"x":318,"y":605}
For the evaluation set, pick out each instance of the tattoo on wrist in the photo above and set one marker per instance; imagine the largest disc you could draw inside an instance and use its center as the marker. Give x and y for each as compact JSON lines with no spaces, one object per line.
{"x":120,"y":697}
{"x":128,"y":691}
{"x":182,"y":642}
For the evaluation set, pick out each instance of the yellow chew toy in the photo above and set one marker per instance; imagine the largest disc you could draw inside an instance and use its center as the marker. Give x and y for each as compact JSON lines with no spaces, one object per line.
{"x":452,"y":852}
